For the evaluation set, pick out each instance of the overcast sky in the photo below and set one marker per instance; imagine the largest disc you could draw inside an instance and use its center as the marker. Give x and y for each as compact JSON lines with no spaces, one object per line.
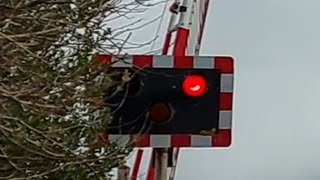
{"x":276,"y":46}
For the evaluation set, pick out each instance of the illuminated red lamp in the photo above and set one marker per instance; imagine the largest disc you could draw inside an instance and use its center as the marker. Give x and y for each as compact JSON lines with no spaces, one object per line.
{"x":194,"y":85}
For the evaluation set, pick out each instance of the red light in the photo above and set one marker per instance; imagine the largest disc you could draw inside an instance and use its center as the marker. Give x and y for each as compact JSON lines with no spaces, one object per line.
{"x":194,"y":85}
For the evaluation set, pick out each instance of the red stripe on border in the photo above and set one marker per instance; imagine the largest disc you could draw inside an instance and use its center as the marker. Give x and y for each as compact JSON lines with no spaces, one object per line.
{"x":183,"y":62}
{"x":226,"y":101}
{"x":181,"y":42}
{"x":142,"y":61}
{"x":224,"y":64}
{"x":222,"y":139}
{"x":144,"y":141}
{"x":180,"y":140}
{"x":103,"y":58}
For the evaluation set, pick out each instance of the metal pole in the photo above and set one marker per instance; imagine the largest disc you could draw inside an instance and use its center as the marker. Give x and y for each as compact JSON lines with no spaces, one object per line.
{"x":161,"y":163}
{"x":175,"y":162}
{"x":123,"y":172}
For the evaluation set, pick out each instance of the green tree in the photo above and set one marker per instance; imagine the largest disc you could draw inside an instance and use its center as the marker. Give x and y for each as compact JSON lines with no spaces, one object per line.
{"x":51,"y":95}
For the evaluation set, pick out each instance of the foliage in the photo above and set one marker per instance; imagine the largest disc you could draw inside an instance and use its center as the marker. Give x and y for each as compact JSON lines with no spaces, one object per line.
{"x":51,"y":96}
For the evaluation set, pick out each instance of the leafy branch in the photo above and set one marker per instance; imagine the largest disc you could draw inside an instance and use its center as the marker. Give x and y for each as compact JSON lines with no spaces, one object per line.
{"x":52,"y":97}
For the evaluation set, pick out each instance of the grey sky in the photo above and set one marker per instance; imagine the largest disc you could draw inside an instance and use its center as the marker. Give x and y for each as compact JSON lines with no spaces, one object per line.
{"x":276,"y":121}
{"x":275,"y":44}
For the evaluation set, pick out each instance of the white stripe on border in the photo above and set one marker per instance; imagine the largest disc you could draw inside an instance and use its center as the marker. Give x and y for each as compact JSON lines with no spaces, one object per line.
{"x":226,"y":84}
{"x":201,"y":141}
{"x":125,"y":62}
{"x":160,"y":141}
{"x":162,"y":61}
{"x":122,"y":140}
{"x":203,"y":62}
{"x":225,"y":119}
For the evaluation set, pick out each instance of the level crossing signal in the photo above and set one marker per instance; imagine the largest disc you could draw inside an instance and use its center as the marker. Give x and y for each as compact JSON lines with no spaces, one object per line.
{"x":171,"y":101}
